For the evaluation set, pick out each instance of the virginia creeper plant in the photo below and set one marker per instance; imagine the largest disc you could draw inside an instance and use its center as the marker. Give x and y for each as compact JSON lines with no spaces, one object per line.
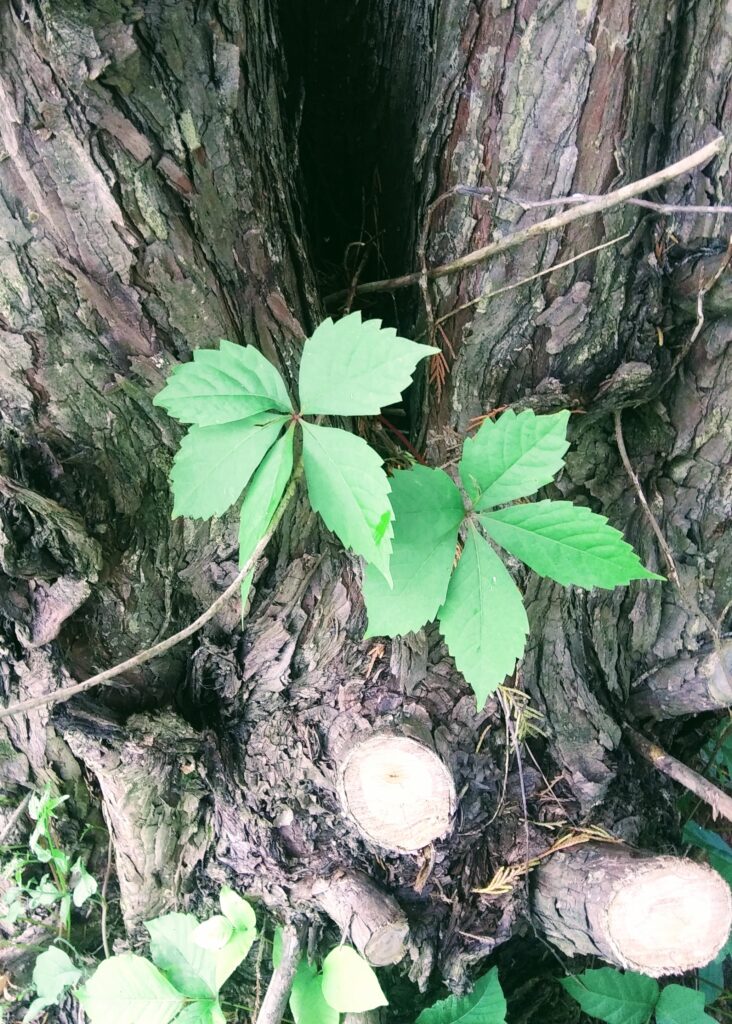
{"x":425,"y":538}
{"x":189,"y":963}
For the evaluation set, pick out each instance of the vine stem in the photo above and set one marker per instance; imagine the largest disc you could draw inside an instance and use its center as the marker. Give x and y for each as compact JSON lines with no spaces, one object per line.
{"x":583,"y":209}
{"x":66,"y":692}
{"x":103,"y":897}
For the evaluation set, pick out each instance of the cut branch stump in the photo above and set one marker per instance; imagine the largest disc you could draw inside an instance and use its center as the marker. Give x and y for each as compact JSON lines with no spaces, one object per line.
{"x":657,"y":915}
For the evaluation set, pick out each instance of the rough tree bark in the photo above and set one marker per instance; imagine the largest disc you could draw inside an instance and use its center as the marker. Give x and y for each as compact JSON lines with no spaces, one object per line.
{"x":172,"y":173}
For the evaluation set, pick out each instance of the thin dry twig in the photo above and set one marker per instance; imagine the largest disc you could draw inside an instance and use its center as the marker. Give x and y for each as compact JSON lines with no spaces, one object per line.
{"x":688,"y":599}
{"x":720,"y":802}
{"x":506,"y":877}
{"x":700,"y":296}
{"x":585,"y":209}
{"x":653,"y":522}
{"x":356,"y":276}
{"x":584,"y":197}
{"x":66,"y":692}
{"x":424,"y":272}
{"x":519,"y":764}
{"x":527,"y":280}
{"x":258,"y":976}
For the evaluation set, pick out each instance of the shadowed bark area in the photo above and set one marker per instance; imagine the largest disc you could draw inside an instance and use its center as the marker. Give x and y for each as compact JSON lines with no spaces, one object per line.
{"x":159,"y":161}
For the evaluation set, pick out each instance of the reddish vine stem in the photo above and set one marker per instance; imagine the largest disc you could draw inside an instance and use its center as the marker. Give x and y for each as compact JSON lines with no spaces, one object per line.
{"x":403,"y":438}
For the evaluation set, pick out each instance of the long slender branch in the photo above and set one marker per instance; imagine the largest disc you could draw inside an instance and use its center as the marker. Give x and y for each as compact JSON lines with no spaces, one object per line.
{"x":280,"y":984}
{"x":66,"y":692}
{"x":585,"y":209}
{"x":720,"y":802}
{"x":584,"y":197}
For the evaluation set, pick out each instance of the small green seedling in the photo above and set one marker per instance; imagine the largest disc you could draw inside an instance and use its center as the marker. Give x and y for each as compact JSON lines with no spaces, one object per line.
{"x":63,"y":885}
{"x":189,"y":963}
{"x":410,"y":527}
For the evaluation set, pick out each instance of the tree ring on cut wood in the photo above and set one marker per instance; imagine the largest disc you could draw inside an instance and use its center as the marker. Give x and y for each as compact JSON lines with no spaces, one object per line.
{"x":398,"y":792}
{"x":673,"y":915}
{"x":657,"y":915}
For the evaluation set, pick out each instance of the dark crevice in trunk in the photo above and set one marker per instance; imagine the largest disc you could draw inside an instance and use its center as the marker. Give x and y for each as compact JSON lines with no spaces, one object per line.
{"x":354,"y":112}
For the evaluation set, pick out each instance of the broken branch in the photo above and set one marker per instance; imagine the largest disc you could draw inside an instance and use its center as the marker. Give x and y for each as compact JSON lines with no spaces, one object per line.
{"x":600,"y":204}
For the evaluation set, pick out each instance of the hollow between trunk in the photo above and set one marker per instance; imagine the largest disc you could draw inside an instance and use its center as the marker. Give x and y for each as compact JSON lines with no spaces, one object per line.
{"x":657,"y":915}
{"x":398,"y":792}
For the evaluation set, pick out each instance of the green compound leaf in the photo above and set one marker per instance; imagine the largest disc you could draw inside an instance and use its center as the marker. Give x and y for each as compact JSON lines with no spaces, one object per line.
{"x":174,"y":949}
{"x":680,"y":1005}
{"x":53,"y":972}
{"x":260,"y":503}
{"x":485,"y":1005}
{"x":350,"y":368}
{"x":350,"y":984}
{"x":307,"y":1001}
{"x":614,"y":997}
{"x":213,"y":933}
{"x":250,"y":368}
{"x":718,"y":851}
{"x":195,"y":971}
{"x":83,"y":884}
{"x":711,"y":977}
{"x":236,"y":910}
{"x":228,"y":958}
{"x":428,"y":511}
{"x":214,"y":464}
{"x":483,"y":619}
{"x":203,"y":1011}
{"x":567,"y":543}
{"x":127,"y":989}
{"x":513,"y":457}
{"x":350,"y":490}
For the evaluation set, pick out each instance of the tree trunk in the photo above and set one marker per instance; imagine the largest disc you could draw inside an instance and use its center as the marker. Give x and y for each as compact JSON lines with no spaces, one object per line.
{"x":177,"y":172}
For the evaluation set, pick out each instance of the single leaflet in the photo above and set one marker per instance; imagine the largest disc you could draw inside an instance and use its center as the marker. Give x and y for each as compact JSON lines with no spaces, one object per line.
{"x":427,"y":540}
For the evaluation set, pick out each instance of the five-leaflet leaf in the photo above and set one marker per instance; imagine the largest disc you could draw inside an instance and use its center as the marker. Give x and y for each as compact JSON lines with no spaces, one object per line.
{"x":482,"y":616}
{"x":237,"y":405}
{"x":408,"y":529}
